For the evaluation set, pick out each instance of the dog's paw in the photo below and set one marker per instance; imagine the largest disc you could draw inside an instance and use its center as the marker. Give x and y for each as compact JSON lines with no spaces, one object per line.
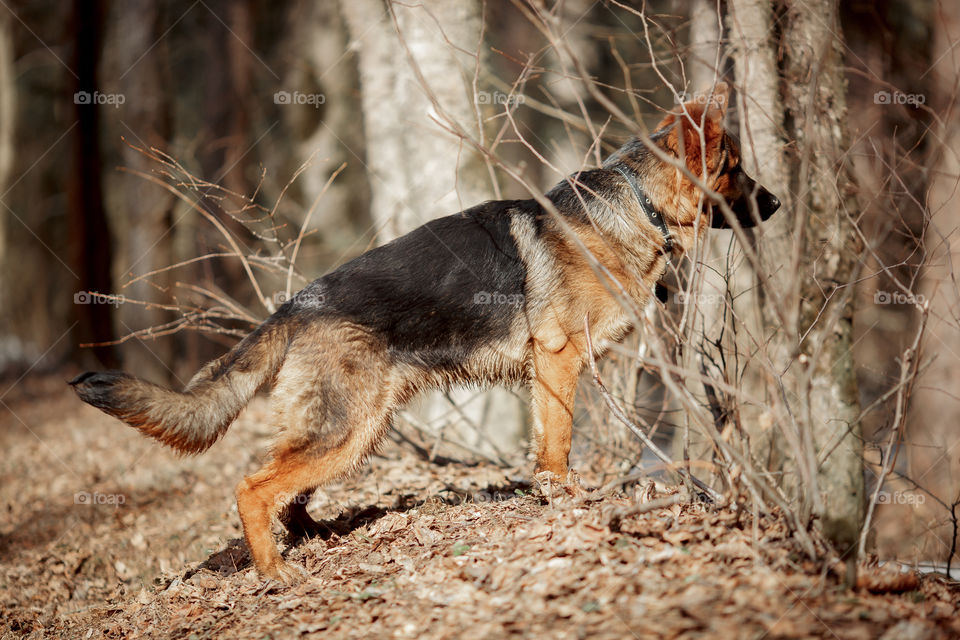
{"x":555,"y":487}
{"x":547,"y":484}
{"x":286,"y":573}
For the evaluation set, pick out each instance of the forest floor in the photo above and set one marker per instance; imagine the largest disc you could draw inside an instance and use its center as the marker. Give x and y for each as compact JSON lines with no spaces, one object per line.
{"x":105,"y":534}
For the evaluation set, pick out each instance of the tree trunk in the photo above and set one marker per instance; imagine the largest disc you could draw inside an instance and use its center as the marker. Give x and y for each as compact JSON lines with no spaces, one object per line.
{"x":89,"y":231}
{"x":808,"y":252}
{"x":142,"y":214}
{"x":419,"y":171}
{"x":707,"y":324}
{"x":702,"y":64}
{"x":825,"y":206}
{"x":760,"y":115}
{"x":330,"y":132}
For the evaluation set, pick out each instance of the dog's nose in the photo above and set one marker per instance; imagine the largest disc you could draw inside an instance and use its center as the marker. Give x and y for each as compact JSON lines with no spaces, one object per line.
{"x":769,"y":206}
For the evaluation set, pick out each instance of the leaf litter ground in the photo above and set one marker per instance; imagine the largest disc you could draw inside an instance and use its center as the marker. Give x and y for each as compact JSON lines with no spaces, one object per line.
{"x":105,"y":534}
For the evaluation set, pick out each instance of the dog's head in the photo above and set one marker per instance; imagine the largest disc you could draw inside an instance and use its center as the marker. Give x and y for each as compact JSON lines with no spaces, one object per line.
{"x":719,"y":153}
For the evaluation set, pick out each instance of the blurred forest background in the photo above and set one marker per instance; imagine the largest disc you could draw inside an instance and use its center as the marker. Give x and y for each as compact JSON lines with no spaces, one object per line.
{"x":303,"y":130}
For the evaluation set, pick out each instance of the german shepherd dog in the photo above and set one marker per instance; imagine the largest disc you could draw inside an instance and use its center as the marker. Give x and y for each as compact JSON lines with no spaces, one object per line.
{"x":496,"y":294}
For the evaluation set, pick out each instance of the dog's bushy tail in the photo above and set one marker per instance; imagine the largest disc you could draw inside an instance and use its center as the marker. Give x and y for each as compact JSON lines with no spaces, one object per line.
{"x":191,"y":420}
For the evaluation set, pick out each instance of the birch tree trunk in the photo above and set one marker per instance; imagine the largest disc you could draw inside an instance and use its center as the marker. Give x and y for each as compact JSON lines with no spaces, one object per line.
{"x":707,"y":322}
{"x":705,"y":52}
{"x":760,"y":113}
{"x":419,"y":171}
{"x":330,"y":133}
{"x":823,"y":206}
{"x":809,"y":251}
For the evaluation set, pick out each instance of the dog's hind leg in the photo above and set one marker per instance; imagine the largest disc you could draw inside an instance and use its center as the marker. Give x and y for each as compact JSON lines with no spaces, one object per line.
{"x":291,"y":473}
{"x":333,"y":405}
{"x":260,"y":496}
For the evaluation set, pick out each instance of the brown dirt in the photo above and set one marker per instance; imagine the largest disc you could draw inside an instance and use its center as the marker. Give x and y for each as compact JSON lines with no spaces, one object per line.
{"x":106,"y":534}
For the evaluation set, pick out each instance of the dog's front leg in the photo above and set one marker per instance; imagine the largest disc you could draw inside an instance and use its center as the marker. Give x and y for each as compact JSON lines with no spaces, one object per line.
{"x":554,"y":386}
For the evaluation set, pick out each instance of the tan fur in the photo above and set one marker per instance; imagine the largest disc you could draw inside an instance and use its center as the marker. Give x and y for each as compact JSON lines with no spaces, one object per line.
{"x":553,"y":389}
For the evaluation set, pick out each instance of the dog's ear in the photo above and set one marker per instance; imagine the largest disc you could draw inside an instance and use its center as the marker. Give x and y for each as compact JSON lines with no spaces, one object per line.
{"x":682,"y":137}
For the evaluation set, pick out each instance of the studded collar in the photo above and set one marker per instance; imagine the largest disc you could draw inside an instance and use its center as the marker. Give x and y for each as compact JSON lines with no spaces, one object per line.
{"x":654,"y":216}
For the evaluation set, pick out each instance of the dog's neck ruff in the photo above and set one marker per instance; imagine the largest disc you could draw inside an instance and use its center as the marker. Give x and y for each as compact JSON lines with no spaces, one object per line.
{"x":654,"y":216}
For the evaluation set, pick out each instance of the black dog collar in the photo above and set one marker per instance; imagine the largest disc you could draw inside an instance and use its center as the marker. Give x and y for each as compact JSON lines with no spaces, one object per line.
{"x":654,"y":216}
